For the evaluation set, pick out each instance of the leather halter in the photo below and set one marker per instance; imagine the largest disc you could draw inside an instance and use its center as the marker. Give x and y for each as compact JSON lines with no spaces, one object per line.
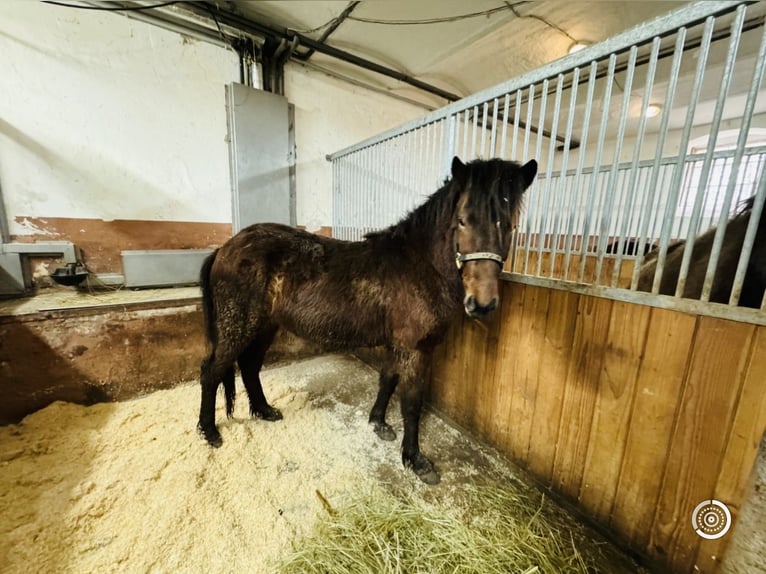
{"x":461,"y":258}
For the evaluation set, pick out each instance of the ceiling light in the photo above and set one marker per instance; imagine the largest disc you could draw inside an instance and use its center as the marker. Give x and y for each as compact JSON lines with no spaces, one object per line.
{"x":577,"y":46}
{"x":653,"y":110}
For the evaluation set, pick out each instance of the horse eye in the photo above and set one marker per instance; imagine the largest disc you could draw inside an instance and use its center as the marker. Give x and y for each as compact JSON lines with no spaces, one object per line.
{"x":460,"y":222}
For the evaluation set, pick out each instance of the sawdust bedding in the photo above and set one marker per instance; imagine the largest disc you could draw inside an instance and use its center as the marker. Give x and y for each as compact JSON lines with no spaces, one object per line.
{"x":131,"y":487}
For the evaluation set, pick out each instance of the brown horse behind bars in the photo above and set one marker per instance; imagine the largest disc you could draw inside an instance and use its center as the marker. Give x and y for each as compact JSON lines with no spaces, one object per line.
{"x":399,"y":288}
{"x":723,"y":280}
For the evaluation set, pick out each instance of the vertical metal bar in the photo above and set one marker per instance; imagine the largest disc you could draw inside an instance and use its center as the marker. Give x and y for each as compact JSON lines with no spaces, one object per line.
{"x":662,"y":134}
{"x":747,"y":116}
{"x":465,"y":136}
{"x":747,"y":245}
{"x":634,"y":174}
{"x":587,"y":223}
{"x":609,"y":203}
{"x":550,"y":198}
{"x":493,"y":135}
{"x":504,"y":135}
{"x":694,"y":220}
{"x":525,"y":151}
{"x":483,"y":136}
{"x":475,"y":131}
{"x":574,"y":214}
{"x":516,"y":115}
{"x":562,"y":191}
{"x":540,"y":196}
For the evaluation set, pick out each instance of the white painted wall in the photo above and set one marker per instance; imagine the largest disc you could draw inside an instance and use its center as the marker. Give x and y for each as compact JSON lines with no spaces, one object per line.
{"x":329,"y":115}
{"x":110,"y":118}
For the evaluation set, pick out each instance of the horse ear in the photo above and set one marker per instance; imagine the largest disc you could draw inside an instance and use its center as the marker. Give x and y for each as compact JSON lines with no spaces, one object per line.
{"x":528,"y":172}
{"x":458,"y":171}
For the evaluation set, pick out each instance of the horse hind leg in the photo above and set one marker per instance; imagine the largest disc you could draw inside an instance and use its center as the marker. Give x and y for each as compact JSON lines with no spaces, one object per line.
{"x":389,"y":378}
{"x":212,"y":373}
{"x":250,"y":363}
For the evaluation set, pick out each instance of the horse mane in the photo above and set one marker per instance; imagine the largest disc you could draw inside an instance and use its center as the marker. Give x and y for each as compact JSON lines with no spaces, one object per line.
{"x":501,"y":195}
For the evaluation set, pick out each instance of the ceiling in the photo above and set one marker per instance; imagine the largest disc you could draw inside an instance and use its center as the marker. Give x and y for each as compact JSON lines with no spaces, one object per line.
{"x":452,"y":45}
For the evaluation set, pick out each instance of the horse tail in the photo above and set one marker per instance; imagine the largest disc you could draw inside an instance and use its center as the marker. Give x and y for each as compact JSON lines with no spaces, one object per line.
{"x":208,"y":307}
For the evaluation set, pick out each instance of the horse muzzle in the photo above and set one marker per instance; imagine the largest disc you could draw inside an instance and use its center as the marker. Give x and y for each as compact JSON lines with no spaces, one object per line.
{"x":476,"y":310}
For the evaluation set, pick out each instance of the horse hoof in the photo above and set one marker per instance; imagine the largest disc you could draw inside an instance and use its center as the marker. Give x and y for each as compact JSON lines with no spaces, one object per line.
{"x":423,"y":468}
{"x":212,"y":436}
{"x":384,"y":431}
{"x":431,"y":477}
{"x":269,"y":414}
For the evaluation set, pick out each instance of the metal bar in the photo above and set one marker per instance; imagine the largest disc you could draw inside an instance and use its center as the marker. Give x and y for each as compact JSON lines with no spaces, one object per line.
{"x":669,"y":23}
{"x":747,"y":116}
{"x":672,"y":199}
{"x":562,"y":191}
{"x":690,"y":306}
{"x":717,"y":114}
{"x":747,"y":244}
{"x":504,"y":135}
{"x":580,"y":163}
{"x":608,"y":207}
{"x":539,"y":197}
{"x":587,"y":224}
{"x":634,"y":173}
{"x":516,"y":114}
{"x":545,"y":219}
{"x":485,"y":110}
{"x":525,"y":151}
{"x":475,"y":131}
{"x":493,"y":134}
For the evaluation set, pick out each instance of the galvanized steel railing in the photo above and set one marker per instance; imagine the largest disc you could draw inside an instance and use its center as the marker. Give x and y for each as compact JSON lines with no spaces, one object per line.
{"x":614,"y":180}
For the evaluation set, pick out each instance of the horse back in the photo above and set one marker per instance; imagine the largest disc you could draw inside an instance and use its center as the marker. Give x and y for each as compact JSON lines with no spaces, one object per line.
{"x":338,"y":293}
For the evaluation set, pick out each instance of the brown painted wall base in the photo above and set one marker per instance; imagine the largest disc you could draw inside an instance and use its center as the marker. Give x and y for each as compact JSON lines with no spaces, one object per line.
{"x":101,"y":241}
{"x":93,"y":355}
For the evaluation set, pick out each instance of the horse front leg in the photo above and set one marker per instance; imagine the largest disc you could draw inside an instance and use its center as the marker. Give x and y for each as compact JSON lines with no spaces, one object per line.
{"x":411,"y":374}
{"x":389,"y":378}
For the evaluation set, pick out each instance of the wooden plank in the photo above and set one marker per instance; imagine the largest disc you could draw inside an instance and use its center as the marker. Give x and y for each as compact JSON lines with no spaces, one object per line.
{"x":483,"y":356}
{"x":622,"y":359}
{"x":525,"y":378}
{"x":507,"y":368}
{"x":703,"y":422}
{"x":580,"y":393}
{"x":741,"y":452}
{"x":555,"y":356}
{"x":657,"y":393}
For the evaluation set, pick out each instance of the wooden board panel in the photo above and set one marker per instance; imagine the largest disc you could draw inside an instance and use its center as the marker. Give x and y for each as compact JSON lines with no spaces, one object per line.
{"x":716,"y":370}
{"x":741,"y":451}
{"x":510,"y":362}
{"x":657,"y":389}
{"x":525,"y":376}
{"x":622,"y":358}
{"x":555,"y":356}
{"x":635,"y":413}
{"x":580,"y":393}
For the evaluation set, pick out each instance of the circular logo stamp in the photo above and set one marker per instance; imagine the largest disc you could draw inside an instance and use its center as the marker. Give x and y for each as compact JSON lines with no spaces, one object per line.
{"x":711,"y":519}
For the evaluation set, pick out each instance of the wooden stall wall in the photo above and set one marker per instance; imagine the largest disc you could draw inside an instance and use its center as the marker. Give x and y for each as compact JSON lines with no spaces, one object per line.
{"x":636,"y":414}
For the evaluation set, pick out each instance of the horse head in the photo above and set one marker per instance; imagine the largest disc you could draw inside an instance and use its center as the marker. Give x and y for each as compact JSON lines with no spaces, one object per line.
{"x":487,"y":197}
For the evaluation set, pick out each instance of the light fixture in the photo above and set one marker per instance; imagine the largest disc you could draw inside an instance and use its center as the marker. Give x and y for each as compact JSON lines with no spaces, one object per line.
{"x":577,"y":46}
{"x":653,"y":110}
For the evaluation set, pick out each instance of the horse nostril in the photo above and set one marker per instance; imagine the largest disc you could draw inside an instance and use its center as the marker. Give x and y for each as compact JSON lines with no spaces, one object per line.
{"x":473,"y":309}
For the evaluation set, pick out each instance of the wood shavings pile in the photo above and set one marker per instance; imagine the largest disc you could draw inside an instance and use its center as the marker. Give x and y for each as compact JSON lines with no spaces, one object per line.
{"x":131,"y":487}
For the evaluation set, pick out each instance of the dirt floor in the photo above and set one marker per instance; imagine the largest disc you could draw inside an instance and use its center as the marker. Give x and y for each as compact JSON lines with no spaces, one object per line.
{"x":131,"y":487}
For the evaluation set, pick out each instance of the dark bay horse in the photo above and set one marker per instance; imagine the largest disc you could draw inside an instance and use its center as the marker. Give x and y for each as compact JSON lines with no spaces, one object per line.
{"x":723,"y":280}
{"x":398,"y":288}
